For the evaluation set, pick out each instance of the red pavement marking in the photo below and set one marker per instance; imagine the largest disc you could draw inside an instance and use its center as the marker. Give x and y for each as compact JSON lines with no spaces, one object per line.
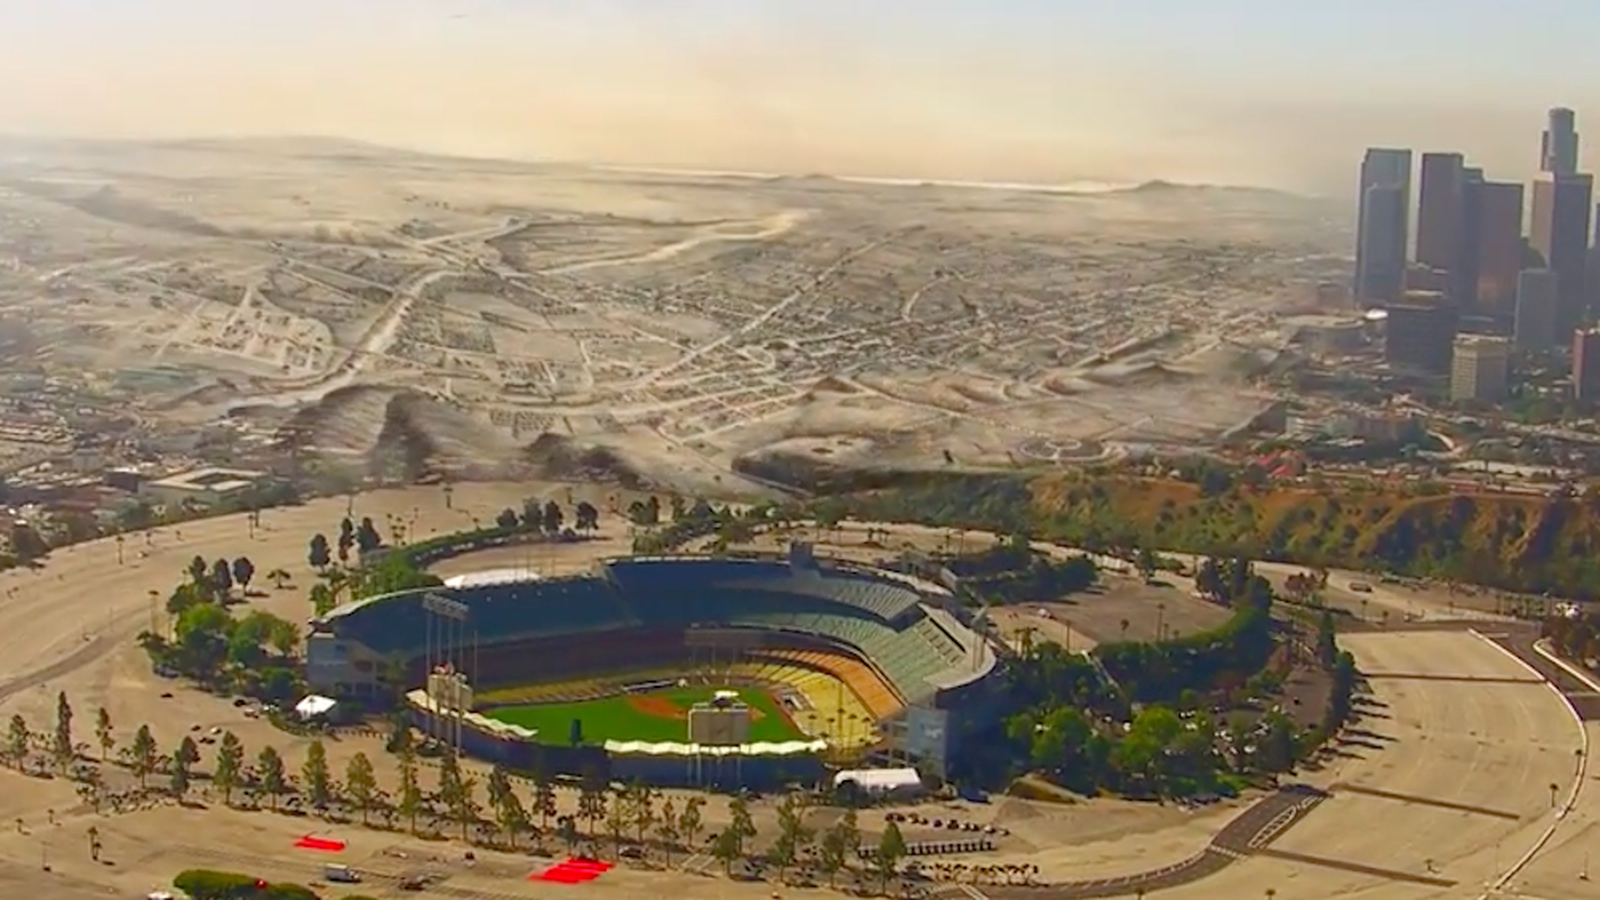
{"x":572,"y":871}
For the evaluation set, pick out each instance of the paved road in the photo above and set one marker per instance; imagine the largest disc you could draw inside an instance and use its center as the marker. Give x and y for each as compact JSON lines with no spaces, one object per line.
{"x":1252,"y":831}
{"x":1446,"y":785}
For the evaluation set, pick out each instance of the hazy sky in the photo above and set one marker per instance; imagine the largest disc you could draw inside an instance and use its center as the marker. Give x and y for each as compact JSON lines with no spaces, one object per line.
{"x":1283,"y":92}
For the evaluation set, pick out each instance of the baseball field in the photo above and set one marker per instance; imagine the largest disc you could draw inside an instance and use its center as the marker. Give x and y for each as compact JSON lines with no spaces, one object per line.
{"x":653,"y":716}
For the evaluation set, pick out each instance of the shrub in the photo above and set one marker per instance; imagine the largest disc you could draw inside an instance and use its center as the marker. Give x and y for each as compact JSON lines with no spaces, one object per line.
{"x":204,"y":884}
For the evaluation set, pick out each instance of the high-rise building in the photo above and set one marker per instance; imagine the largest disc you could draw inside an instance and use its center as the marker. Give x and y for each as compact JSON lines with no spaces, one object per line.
{"x":1465,"y":278}
{"x":1418,"y":332}
{"x":1535,"y":322}
{"x":1480,"y":368}
{"x":1440,"y":213}
{"x":1495,"y":245}
{"x":1586,"y":363}
{"x":1558,"y":147}
{"x":1559,"y":231}
{"x":1383,"y":224}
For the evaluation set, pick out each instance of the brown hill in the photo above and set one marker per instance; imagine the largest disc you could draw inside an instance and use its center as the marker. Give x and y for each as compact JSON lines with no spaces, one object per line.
{"x":1532,"y":544}
{"x":1519,"y":542}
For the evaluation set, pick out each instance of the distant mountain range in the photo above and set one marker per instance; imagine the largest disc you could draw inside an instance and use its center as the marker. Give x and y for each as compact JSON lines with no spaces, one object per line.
{"x":321,"y":146}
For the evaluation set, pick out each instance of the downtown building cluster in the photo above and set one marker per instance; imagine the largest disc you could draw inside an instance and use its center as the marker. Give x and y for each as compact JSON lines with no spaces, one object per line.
{"x":1495,"y":264}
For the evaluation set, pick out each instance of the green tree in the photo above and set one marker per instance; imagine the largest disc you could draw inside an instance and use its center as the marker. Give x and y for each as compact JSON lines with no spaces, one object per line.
{"x":832,"y":853}
{"x":367,"y":537}
{"x":143,"y":755}
{"x":316,"y":776}
{"x":17,"y":739}
{"x":1145,"y":561}
{"x":617,"y":816}
{"x":243,"y":571}
{"x":592,"y":798}
{"x":1327,"y":645}
{"x":61,"y":746}
{"x":271,"y":775}
{"x":691,"y":823}
{"x":408,"y":803}
{"x":641,"y":810}
{"x":362,"y":784}
{"x":198,"y":571}
{"x":318,"y":554}
{"x":891,"y":850}
{"x":103,"y":733}
{"x":222,"y":578}
{"x":466,"y":810}
{"x":1276,"y":750}
{"x":725,"y":849}
{"x":509,"y":813}
{"x":739,"y":821}
{"x":849,"y":827}
{"x":181,"y":766}
{"x":229,"y":768}
{"x":322,"y":599}
{"x":669,"y":829}
{"x":449,"y":790}
{"x":544,"y":796}
{"x":585,"y":516}
{"x":552,"y":517}
{"x":793,"y":835}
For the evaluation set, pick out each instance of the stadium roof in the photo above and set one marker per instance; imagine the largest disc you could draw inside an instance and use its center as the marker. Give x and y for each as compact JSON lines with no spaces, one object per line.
{"x":508,"y":575}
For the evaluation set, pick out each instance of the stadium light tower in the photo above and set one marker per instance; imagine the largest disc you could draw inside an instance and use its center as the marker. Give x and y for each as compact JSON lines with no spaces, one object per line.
{"x":445,"y":628}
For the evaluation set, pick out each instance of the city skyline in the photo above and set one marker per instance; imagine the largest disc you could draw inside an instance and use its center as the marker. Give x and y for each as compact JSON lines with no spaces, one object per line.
{"x":1243,"y":91}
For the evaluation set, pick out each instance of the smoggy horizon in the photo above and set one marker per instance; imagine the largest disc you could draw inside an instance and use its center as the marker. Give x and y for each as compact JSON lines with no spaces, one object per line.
{"x":1241,"y":92}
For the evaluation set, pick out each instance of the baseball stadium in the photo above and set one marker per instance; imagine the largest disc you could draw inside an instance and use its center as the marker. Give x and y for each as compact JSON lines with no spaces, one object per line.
{"x":674,"y":670}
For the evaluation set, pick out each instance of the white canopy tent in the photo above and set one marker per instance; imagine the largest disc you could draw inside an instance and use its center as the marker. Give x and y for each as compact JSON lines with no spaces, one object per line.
{"x":880,"y":781}
{"x":314,"y":706}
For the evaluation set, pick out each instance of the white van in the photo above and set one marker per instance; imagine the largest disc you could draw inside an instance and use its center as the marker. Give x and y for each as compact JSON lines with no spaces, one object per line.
{"x":340,"y":874}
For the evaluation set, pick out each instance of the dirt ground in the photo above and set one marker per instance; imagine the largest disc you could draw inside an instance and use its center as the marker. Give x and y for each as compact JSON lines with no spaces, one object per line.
{"x":1162,"y":607}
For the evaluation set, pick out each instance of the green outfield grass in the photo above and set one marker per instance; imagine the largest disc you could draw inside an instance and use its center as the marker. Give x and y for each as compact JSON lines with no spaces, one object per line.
{"x":655,"y":716}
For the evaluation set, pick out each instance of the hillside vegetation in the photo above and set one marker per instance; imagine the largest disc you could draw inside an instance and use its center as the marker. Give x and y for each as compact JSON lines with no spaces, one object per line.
{"x":1532,"y":544}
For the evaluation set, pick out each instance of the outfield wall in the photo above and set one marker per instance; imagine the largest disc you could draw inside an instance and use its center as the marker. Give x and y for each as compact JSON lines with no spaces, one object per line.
{"x":759,"y":766}
{"x":754,"y":766}
{"x":495,"y":741}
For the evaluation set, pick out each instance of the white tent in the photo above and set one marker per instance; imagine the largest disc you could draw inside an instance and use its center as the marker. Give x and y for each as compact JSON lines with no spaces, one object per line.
{"x":314,"y":705}
{"x":880,"y":781}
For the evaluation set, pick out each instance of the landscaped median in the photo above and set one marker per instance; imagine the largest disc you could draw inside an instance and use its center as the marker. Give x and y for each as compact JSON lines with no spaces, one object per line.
{"x":204,"y":884}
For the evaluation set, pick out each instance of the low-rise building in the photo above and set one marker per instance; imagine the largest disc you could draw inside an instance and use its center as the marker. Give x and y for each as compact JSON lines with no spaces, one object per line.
{"x":1480,"y":368}
{"x":210,"y":485}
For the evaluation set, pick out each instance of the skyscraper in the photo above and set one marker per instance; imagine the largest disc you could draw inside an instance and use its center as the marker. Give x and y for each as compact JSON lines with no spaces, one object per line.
{"x":1558,"y":146}
{"x":1465,"y":278}
{"x":1440,"y":212}
{"x":1586,"y":363}
{"x":1383,"y":224}
{"x":1418,"y":332}
{"x":1495,"y":245}
{"x":1559,"y":232}
{"x":1535,"y":322}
